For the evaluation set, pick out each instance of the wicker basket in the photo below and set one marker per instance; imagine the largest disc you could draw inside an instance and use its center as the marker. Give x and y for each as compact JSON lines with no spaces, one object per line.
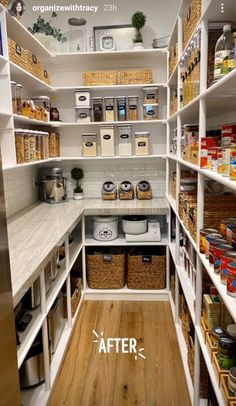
{"x":45,"y":76}
{"x":135,"y":76}
{"x":100,"y":78}
{"x":17,"y":54}
{"x":33,"y":64}
{"x":106,"y":268}
{"x":146,"y":268}
{"x":76,"y":287}
{"x":192,"y":19}
{"x":173,"y":59}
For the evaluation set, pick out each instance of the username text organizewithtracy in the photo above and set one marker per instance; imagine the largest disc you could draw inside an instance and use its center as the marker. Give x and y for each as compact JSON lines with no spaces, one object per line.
{"x":63,"y":8}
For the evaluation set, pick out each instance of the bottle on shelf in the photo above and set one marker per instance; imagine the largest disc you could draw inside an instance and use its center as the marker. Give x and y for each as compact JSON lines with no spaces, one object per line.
{"x":223,"y":50}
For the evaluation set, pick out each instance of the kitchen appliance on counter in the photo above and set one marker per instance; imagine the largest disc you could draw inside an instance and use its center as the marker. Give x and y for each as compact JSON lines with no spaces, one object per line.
{"x":32,"y":370}
{"x":32,"y":299}
{"x":56,"y":322}
{"x":109,"y":191}
{"x":52,"y":185}
{"x":153,"y":233}
{"x":105,"y":228}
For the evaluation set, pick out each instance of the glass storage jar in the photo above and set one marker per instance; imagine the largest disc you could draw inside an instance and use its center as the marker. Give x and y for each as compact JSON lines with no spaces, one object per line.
{"x":83,"y":114}
{"x":82,"y":97}
{"x":43,"y":105}
{"x":89,"y":144}
{"x":109,"y":107}
{"x":19,"y":88}
{"x":19,"y":141}
{"x":97,"y":109}
{"x":13,"y":97}
{"x":38,"y":145}
{"x":142,"y":143}
{"x":32,"y":138}
{"x":150,"y":111}
{"x":125,"y":140}
{"x":27,"y":145}
{"x":121,"y":108}
{"x":133,"y":108}
{"x":150,"y":95}
{"x":107,"y":140}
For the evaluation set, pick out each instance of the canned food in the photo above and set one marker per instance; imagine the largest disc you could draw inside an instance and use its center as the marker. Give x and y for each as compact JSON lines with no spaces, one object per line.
{"x":228,"y":134}
{"x":214,"y":153}
{"x":227,"y":353}
{"x":231,"y":228}
{"x":217,"y":253}
{"x":211,"y":237}
{"x":223,"y":225}
{"x":231,"y":279}
{"x":207,"y":142}
{"x":203,"y":234}
{"x":233,"y":165}
{"x":226,"y":258}
{"x":212,"y":246}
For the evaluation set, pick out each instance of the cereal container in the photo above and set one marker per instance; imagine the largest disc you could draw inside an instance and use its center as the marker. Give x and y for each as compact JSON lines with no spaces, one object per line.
{"x":107,"y":140}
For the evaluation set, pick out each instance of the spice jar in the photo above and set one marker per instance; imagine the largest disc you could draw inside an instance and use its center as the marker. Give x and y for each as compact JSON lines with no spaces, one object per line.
{"x":217,"y":253}
{"x":121,"y":108}
{"x":13,"y":97}
{"x":226,"y":258}
{"x":150,"y":95}
{"x":232,"y":381}
{"x":203,"y":234}
{"x":109,"y":107}
{"x":142,"y":143}
{"x":150,"y":111}
{"x":227,"y":353}
{"x":107,"y":140}
{"x":19,"y":88}
{"x":97,"y":109}
{"x":133,"y":108}
{"x":19,"y":141}
{"x":231,"y":279}
{"x":89,"y":144}
{"x":216,"y":334}
{"x":125,"y":140}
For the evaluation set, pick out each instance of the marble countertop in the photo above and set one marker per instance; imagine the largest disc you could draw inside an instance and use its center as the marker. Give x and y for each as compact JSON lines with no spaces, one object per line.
{"x":35,"y":233}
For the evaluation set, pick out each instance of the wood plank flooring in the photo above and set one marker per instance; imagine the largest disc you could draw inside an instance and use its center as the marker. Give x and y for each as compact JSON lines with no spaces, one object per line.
{"x":88,"y":378}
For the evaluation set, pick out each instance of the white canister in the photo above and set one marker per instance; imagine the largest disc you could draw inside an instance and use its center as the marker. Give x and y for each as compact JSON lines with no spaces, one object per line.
{"x":82,"y":97}
{"x":107,"y":139}
{"x":142,"y":143}
{"x":83,"y":114}
{"x":125,"y":140}
{"x":105,"y":228}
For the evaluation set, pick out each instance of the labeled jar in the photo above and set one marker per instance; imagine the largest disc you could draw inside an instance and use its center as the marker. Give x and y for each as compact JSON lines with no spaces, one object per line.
{"x":217,"y":253}
{"x":109,"y":107}
{"x":216,"y":334}
{"x":226,"y":258}
{"x":142,"y":143}
{"x":83,"y":114}
{"x":227,"y":353}
{"x":89,"y":144}
{"x":121,"y":108}
{"x":13,"y":97}
{"x":125,"y":140}
{"x":82,"y":97}
{"x":203,"y":234}
{"x":19,"y":141}
{"x":97,"y":109}
{"x":107,"y":140}
{"x":133,"y":108}
{"x":150,"y":111}
{"x":232,"y":381}
{"x":150,"y":95}
{"x":27,"y":146}
{"x":231,"y":279}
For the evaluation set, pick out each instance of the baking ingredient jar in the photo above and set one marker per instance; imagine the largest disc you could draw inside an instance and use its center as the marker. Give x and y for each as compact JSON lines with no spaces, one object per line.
{"x":109,"y":107}
{"x":203,"y":234}
{"x":107,"y":140}
{"x":232,"y":381}
{"x":216,"y":334}
{"x":231,"y":279}
{"x":89,"y":144}
{"x":121,"y":108}
{"x":211,"y":237}
{"x":19,"y":141}
{"x":150,"y":95}
{"x":43,"y":104}
{"x":125,"y":140}
{"x":226,"y":258}
{"x":212,"y":245}
{"x":83,"y":114}
{"x":217,"y":253}
{"x":105,"y":228}
{"x":133,"y":108}
{"x":150,"y":111}
{"x":13,"y":97}
{"x":97,"y":109}
{"x":19,"y":100}
{"x":231,"y":331}
{"x":227,"y":353}
{"x":82,"y":97}
{"x":142,"y":143}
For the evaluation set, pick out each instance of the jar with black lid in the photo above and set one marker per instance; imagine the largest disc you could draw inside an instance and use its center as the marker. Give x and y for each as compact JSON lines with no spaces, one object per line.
{"x":227,"y":353}
{"x":97,"y":109}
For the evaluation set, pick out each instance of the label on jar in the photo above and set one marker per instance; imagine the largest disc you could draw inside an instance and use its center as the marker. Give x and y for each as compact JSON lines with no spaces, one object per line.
{"x":220,"y":68}
{"x":226,"y":361}
{"x":124,"y":136}
{"x":89,"y":144}
{"x":82,"y":98}
{"x":83,"y":115}
{"x":151,"y":96}
{"x":109,"y":108}
{"x":133,"y":107}
{"x":150,"y":112}
{"x":121,"y":107}
{"x":142,"y":144}
{"x":106,"y":137}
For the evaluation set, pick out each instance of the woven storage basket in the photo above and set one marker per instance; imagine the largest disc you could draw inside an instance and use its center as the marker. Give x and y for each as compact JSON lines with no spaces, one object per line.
{"x":106,"y":269}
{"x":135,"y":76}
{"x":76,"y":287}
{"x":100,"y":78}
{"x":146,"y":268}
{"x":192,"y":19}
{"x":33,"y":64}
{"x":17,"y":54}
{"x":44,"y":75}
{"x":173,"y":59}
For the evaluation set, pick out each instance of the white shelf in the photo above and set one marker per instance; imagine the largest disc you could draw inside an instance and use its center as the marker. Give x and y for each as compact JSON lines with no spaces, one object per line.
{"x":187,"y":289}
{"x":19,"y":166}
{"x":27,"y":120}
{"x":27,"y":80}
{"x":120,"y":241}
{"x":56,"y":286}
{"x":108,"y":158}
{"x":210,"y":367}
{"x":173,"y":77}
{"x":108,"y":87}
{"x":3,"y":60}
{"x":5,"y":115}
{"x":60,"y":124}
{"x":75,"y":250}
{"x":27,"y":337}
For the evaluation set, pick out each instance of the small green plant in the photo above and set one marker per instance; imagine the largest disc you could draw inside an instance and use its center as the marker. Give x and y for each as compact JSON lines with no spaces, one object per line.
{"x":45,"y":27}
{"x":138,"y":22}
{"x":77,"y":174}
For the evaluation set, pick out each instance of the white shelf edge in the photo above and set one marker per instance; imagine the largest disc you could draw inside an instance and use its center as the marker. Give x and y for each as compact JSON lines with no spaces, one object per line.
{"x":187,"y":289}
{"x":18,"y":166}
{"x":112,"y":53}
{"x":75,"y":124}
{"x":75,"y":254}
{"x":56,"y":288}
{"x":125,"y":290}
{"x":108,"y":87}
{"x":120,"y":241}
{"x":28,"y":120}
{"x":29,"y":75}
{"x":106,"y":158}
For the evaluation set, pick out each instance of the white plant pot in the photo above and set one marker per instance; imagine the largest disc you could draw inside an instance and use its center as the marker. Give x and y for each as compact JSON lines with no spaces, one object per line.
{"x":78,"y":196}
{"x":138,"y":45}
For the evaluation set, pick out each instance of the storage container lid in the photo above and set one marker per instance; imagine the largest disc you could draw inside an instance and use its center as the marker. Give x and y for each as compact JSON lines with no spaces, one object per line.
{"x":124,"y":126}
{"x":142,"y":133}
{"x":102,"y":219}
{"x":133,"y":97}
{"x":150,"y":104}
{"x":144,"y":186}
{"x":146,"y":89}
{"x":97,"y":98}
{"x":121,"y":97}
{"x":89,"y":135}
{"x":42,"y":98}
{"x":108,"y":97}
{"x":83,"y":108}
{"x":82,"y":90}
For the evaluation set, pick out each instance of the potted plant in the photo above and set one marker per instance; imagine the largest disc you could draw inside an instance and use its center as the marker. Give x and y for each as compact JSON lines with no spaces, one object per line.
{"x":77,"y":174}
{"x":138,"y":22}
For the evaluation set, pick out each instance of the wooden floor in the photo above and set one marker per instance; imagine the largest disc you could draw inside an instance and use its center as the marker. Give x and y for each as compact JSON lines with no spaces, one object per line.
{"x":89,"y":378}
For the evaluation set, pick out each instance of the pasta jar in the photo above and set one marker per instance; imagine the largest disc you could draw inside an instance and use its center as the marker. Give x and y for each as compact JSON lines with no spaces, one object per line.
{"x":218,"y":251}
{"x":19,"y":142}
{"x":231,"y":279}
{"x":211,"y":237}
{"x":150,"y":95}
{"x":107,"y":140}
{"x":121,"y":108}
{"x":109,"y":107}
{"x":226,"y":258}
{"x":233,"y":165}
{"x":89,"y":144}
{"x":133,"y":108}
{"x":227,"y":353}
{"x":142,"y":143}
{"x":38,"y":137}
{"x":203,"y":234}
{"x":97,"y":109}
{"x":150,"y":111}
{"x":125,"y":140}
